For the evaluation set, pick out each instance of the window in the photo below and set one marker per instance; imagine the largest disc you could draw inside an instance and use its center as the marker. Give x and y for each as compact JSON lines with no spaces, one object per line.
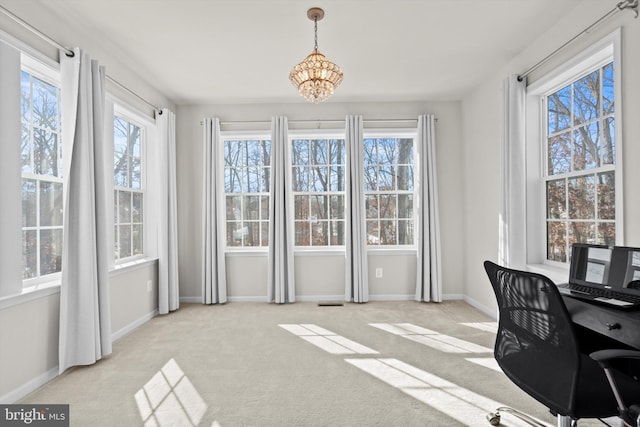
{"x":389,"y":190}
{"x":581,"y":155}
{"x":246,"y":183}
{"x":318,"y":168}
{"x":42,"y":176}
{"x":128,"y":139}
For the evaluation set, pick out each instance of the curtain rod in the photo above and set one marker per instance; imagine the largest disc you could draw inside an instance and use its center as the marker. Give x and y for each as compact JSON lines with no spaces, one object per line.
{"x":268,"y":122}
{"x":626,"y":4}
{"x":69,"y":52}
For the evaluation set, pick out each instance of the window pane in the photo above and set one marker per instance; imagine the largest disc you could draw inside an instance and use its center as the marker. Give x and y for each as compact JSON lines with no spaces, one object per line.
{"x":608,"y":143}
{"x":320,"y":233}
{"x":301,"y":178}
{"x":582,"y":232}
{"x":556,"y":199}
{"x":137,"y":239}
{"x":50,"y":251}
{"x":586,"y":104}
{"x":370,"y":178}
{"x":301,"y":207}
{"x":318,"y":207}
{"x":373,"y":232}
{"x":559,"y":154}
{"x":232,"y":179}
{"x":386,"y":178}
{"x":371,"y":206}
{"x":124,"y":207}
{"x":234,"y":207}
{"x":264,"y":202}
{"x":337,"y":232}
{"x":606,"y":234}
{"x":235,"y":233}
{"x":29,"y":254}
{"x":607,"y":196}
{"x":50,"y":203}
{"x":302,"y":233}
{"x":336,"y":174}
{"x":25,"y":95}
{"x":405,"y":205}
{"x":585,"y":147}
{"x":320,"y":179}
{"x":337,"y":151}
{"x":136,"y":207}
{"x":29,"y":203}
{"x":388,"y":234}
{"x":45,"y":105}
{"x":336,"y":207}
{"x":300,"y":152}
{"x":387,"y":151}
{"x":136,"y":173}
{"x":405,"y":178}
{"x":251,"y":208}
{"x":559,"y":110}
{"x":125,"y":240}
{"x":405,"y":232}
{"x":26,"y":150}
{"x":607,"y":89}
{"x":388,"y":203}
{"x":582,"y":197}
{"x":370,"y":152}
{"x":556,"y":241}
{"x":252,"y":238}
{"x":46,"y":160}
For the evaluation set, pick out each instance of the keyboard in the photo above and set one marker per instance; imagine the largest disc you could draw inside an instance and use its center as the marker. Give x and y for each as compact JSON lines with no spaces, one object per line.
{"x":605,"y":296}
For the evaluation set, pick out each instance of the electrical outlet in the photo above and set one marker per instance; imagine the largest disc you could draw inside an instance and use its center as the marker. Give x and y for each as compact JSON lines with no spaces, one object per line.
{"x":149,"y":285}
{"x":378,"y":273}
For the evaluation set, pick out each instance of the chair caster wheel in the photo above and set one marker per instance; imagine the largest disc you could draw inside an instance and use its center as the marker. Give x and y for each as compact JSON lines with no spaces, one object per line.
{"x":493,"y":418}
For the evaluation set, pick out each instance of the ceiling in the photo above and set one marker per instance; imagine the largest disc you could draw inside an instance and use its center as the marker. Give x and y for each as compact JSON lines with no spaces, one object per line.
{"x":239,"y":51}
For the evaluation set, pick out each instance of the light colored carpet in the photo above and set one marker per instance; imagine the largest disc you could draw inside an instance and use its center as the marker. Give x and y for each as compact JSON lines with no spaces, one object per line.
{"x":235,"y":365}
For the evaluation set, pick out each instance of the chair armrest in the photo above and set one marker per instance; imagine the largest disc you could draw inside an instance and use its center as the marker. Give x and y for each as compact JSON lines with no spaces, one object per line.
{"x":604,"y":356}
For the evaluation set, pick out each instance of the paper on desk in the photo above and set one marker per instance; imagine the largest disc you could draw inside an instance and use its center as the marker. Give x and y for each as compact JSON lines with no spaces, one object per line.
{"x":613,"y":301}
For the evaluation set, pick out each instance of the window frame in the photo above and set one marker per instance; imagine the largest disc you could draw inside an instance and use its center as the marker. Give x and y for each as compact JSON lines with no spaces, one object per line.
{"x":397,"y":133}
{"x":116,"y":108}
{"x":600,"y":53}
{"x":326,"y":134}
{"x":51,"y":76}
{"x":261,"y":135}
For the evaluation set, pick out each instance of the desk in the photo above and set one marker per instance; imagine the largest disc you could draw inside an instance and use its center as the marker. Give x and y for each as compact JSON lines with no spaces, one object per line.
{"x":619,"y":325}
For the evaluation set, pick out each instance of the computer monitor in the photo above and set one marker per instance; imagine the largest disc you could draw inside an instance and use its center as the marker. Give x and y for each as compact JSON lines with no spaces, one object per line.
{"x":626,"y":275}
{"x":590,"y":264}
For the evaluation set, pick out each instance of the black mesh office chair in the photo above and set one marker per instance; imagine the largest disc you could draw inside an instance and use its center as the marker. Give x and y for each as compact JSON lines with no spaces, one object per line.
{"x":537,"y":348}
{"x":630,"y":414}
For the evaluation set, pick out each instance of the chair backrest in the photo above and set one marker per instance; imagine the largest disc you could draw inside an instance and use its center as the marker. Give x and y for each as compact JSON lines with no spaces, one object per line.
{"x":536,"y":345}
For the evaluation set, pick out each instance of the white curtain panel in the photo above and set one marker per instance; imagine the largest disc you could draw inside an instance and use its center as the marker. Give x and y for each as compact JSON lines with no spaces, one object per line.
{"x":214,"y":275}
{"x":11,"y":218}
{"x":512,"y":225}
{"x":168,"y":289}
{"x":281,"y":277}
{"x":429,"y":263}
{"x":85,"y":324}
{"x":356,"y":266}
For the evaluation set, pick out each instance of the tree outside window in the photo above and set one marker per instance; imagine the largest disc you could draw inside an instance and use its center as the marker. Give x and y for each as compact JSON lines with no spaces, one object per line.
{"x":580,"y":173}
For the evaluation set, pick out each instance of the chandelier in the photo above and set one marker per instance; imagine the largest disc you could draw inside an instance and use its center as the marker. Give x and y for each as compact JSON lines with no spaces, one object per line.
{"x":316,"y":77}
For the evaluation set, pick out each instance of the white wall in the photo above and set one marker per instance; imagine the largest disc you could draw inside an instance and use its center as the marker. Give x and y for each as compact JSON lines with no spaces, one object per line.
{"x":481,"y":111}
{"x":318,"y":276}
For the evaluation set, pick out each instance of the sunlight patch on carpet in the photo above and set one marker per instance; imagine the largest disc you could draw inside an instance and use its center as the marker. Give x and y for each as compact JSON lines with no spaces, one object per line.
{"x":487,"y":362}
{"x":326,"y":340}
{"x":484,"y":326}
{"x":456,"y":402}
{"x":433,"y":339}
{"x":169,"y":399}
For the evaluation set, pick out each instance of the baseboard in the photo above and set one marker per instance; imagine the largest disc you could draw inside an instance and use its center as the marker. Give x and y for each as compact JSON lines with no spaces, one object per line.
{"x":191,"y":300}
{"x":132,"y":326}
{"x":249,"y":299}
{"x":318,"y":298}
{"x":29,"y":387}
{"x":491,"y":312}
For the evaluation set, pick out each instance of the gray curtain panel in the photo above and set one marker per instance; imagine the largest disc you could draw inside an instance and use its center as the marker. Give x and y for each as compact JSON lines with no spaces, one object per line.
{"x":168,"y":289}
{"x":281,"y":277}
{"x":85,"y":324}
{"x":356,"y":266}
{"x":10,"y":223}
{"x":429,"y":264}
{"x":512,"y":249}
{"x":214,"y":276}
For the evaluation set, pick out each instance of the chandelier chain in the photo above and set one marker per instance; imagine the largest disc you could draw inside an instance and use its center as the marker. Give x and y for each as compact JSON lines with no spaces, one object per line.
{"x":315,"y":32}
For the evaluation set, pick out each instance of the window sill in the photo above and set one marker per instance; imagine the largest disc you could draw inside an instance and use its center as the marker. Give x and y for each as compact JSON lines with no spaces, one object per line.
{"x":31,"y":293}
{"x":557,"y":274}
{"x":127,"y":266}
